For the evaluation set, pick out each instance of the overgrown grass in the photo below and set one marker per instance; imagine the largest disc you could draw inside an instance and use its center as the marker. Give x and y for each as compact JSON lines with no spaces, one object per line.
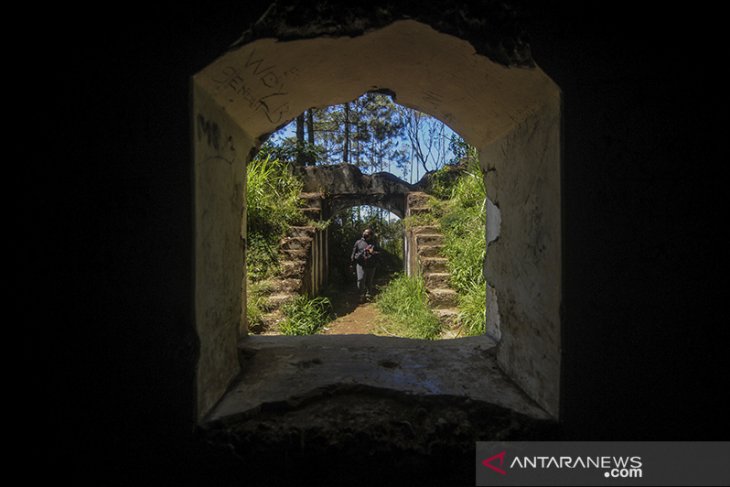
{"x":262,"y":256}
{"x":404,"y":303}
{"x":420,"y":220}
{"x":305,"y":315}
{"x":461,"y":218}
{"x":272,"y":197}
{"x":272,"y":205}
{"x":256,"y":302}
{"x":472,"y":304}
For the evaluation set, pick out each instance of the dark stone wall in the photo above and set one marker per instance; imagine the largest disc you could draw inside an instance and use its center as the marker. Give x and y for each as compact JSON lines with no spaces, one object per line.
{"x":643,"y":335}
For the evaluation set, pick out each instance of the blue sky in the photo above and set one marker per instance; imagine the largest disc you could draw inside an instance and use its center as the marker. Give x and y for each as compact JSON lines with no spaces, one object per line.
{"x":289,"y":130}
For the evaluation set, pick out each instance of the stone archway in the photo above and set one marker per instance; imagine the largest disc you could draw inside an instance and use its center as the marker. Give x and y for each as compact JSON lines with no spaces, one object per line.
{"x":511,"y":114}
{"x":344,"y":185}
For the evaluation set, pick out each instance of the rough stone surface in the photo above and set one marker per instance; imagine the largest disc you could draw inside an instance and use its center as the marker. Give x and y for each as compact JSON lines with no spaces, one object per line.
{"x":442,"y":298}
{"x":301,"y":272}
{"x":423,"y":239}
{"x":354,"y":434}
{"x":491,"y":27}
{"x":344,"y":185}
{"x":281,"y":370}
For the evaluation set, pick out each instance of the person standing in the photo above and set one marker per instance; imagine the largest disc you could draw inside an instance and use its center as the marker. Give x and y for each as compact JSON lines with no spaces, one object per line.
{"x":364,"y":255}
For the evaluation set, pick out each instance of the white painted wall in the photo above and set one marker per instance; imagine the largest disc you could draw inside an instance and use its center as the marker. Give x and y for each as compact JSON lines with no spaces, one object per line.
{"x":219,"y":213}
{"x":523,"y":265}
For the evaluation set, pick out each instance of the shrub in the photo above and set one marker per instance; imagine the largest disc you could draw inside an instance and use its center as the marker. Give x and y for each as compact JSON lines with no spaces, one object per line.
{"x":272,"y":205}
{"x":404,"y":302}
{"x":472,"y":303}
{"x":463,"y":226}
{"x":305,"y":315}
{"x":462,"y":223}
{"x":256,"y":303}
{"x":272,"y":197}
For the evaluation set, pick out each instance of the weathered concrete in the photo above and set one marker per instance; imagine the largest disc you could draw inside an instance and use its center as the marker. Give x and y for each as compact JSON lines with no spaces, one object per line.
{"x":279,"y":369}
{"x":220,"y":231}
{"x":361,"y":435}
{"x":344,"y":185}
{"x":302,"y":254}
{"x":523,"y":262}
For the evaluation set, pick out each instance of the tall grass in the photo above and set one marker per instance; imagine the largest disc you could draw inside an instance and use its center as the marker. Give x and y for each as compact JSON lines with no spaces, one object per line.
{"x":472,"y":304}
{"x":404,"y":302}
{"x":272,"y":204}
{"x":462,"y":223}
{"x":272,"y":197}
{"x":305,"y":315}
{"x":256,"y":302}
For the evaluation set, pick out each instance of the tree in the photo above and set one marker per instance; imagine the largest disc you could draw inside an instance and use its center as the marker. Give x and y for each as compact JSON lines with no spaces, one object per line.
{"x":371,"y":132}
{"x":366,"y":132}
{"x":427,"y":137}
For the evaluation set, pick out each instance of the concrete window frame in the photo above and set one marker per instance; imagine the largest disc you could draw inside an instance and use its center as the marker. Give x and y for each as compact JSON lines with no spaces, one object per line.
{"x":511,"y":114}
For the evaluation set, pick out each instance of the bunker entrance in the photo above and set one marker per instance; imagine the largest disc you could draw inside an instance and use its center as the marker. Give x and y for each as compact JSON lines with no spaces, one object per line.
{"x":512,"y":117}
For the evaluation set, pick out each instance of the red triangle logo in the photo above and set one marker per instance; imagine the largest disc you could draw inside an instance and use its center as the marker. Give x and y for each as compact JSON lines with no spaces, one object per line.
{"x":488,"y":463}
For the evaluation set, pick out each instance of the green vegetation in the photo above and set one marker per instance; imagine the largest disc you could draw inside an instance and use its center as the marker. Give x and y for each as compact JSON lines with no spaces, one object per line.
{"x":375,"y":134}
{"x":256,"y":302}
{"x":305,"y":315}
{"x":347,"y":227}
{"x":404,"y":302}
{"x":272,"y":204}
{"x":272,"y":197}
{"x":460,"y":213}
{"x":462,"y":223}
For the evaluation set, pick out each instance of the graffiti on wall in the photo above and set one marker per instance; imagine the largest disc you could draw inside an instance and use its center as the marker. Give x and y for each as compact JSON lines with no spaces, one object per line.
{"x":260,"y":84}
{"x":208,"y":130}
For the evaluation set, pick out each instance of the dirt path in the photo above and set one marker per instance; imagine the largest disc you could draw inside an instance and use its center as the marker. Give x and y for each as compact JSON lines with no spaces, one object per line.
{"x":362,"y":320}
{"x":353,"y":317}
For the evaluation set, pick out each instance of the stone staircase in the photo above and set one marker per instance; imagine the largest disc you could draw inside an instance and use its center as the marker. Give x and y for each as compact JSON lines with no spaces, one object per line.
{"x":428,"y":242}
{"x":294,"y":261}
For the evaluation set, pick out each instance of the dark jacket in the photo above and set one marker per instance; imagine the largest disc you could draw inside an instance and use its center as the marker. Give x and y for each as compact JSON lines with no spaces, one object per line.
{"x":360,"y":256}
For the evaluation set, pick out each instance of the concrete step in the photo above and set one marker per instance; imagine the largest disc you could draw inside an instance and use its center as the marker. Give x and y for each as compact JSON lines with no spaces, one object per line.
{"x":312,"y":200}
{"x":292,"y":269}
{"x":276,"y":301}
{"x":427,"y":229}
{"x":295,"y":255}
{"x":430,"y":250}
{"x":435,"y":280}
{"x":296,"y":243}
{"x":291,"y":285}
{"x":433,"y":264}
{"x":272,"y":318}
{"x":449,"y":317}
{"x":268,"y":320}
{"x":442,"y":298}
{"x":429,"y":239}
{"x":419,"y":210}
{"x":418,"y":198}
{"x":301,"y":232}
